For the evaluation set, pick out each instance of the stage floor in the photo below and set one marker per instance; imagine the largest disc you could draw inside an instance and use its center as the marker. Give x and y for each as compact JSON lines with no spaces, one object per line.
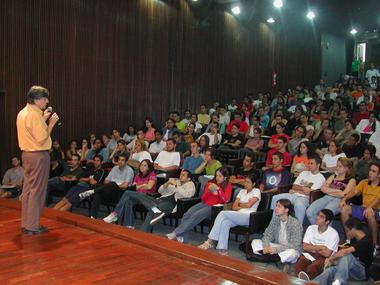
{"x":78,"y":250}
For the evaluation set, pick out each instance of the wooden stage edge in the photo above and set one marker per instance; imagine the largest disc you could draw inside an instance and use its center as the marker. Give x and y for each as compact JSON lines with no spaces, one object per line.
{"x":243,"y":270}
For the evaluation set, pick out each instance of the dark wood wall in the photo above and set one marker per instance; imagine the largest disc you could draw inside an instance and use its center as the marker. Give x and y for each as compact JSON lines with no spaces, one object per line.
{"x":110,"y":63}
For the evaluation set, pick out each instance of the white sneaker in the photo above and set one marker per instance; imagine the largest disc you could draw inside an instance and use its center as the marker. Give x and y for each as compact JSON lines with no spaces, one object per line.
{"x":180,"y":239}
{"x":111,"y":218}
{"x":303,"y":276}
{"x":157,"y":217}
{"x":156,"y":210}
{"x":86,"y":194}
{"x":336,"y":282}
{"x":171,"y":236}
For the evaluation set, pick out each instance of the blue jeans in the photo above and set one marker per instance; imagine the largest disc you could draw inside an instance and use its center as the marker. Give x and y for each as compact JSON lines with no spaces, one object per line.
{"x":326,"y":202}
{"x":191,"y":218}
{"x":300,"y":204}
{"x":223,"y":222}
{"x":348,"y":268}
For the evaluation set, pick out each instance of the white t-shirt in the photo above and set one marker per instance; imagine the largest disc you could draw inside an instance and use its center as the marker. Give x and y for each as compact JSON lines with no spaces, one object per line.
{"x":370,"y":73}
{"x":245,"y":197}
{"x":330,"y":160}
{"x":167,"y":159}
{"x":156,"y":147}
{"x":224,"y":119}
{"x":308,"y":179}
{"x":212,"y":139}
{"x":140,"y":156}
{"x":329,"y":238}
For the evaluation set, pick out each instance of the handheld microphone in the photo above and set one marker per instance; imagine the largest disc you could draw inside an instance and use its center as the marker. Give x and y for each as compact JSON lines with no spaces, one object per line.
{"x":50,"y":109}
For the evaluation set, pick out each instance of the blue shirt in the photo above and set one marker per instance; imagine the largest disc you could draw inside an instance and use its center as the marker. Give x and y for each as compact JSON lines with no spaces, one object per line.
{"x":191,"y":163}
{"x":103,"y":152}
{"x":120,"y":176}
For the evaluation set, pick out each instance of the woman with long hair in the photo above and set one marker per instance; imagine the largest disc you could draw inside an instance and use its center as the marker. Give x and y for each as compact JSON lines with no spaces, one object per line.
{"x":217,"y":191}
{"x":73,"y":149}
{"x":336,"y":187}
{"x":301,"y":159}
{"x":245,"y":203}
{"x":330,"y":159}
{"x":143,"y":182}
{"x":149,"y":130}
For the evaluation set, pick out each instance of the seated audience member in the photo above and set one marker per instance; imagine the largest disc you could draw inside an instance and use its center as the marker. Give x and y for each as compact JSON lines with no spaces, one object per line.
{"x":112,"y":144}
{"x":345,"y":133}
{"x":182,"y":124}
{"x":214,"y":137}
{"x":368,"y":126}
{"x":121,"y":148}
{"x":319,"y":242}
{"x":129,"y":135}
{"x":330,"y":159}
{"x":275,"y":176}
{"x":198,"y":126}
{"x":237,"y":122}
{"x":214,"y":108}
{"x":281,"y":147}
{"x":297,"y":138}
{"x":56,"y":167}
{"x":294,"y":121}
{"x":13,"y":180}
{"x":203,"y":116}
{"x":234,"y":139}
{"x":169,"y":159}
{"x":304,"y":119}
{"x":264,"y":117}
{"x":308,"y":180}
{"x":256,"y":143}
{"x":139,"y":137}
{"x":281,"y":241}
{"x":224,"y":118}
{"x":209,"y":166}
{"x":91,"y":178}
{"x":351,"y":263}
{"x":369,"y":211}
{"x":217,"y":191}
{"x":92,"y":140}
{"x":280,"y":132}
{"x":97,"y":149}
{"x":189,"y":134}
{"x":193,"y":161}
{"x":336,"y":187}
{"x":158,"y":145}
{"x":277,"y":117}
{"x":180,"y":145}
{"x":171,"y":191}
{"x":57,"y":150}
{"x":149,"y":130}
{"x":245,"y":203}
{"x":73,"y":149}
{"x":214,"y":120}
{"x":340,"y":122}
{"x":106,"y":140}
{"x":255,"y":123}
{"x":361,"y":166}
{"x":353,"y":148}
{"x":169,"y":129}
{"x":248,"y":169}
{"x":233,"y":106}
{"x":204,"y":144}
{"x":84,"y":150}
{"x":120,"y":177}
{"x":139,"y":154}
{"x":144,"y":182}
{"x":301,"y":159}
{"x":324,"y":141}
{"x":69,"y":176}
{"x":362,"y":113}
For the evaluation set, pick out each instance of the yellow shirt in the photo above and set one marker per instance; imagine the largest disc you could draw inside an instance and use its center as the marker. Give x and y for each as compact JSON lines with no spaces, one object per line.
{"x":203,"y":119}
{"x":32,"y":130}
{"x":369,"y":193}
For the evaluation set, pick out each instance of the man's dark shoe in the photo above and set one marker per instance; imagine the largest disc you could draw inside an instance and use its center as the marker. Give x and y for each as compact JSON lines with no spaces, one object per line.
{"x":40,"y":230}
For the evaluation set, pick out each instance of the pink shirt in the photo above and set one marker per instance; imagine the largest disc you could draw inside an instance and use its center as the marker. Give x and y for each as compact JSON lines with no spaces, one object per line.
{"x":144,"y":180}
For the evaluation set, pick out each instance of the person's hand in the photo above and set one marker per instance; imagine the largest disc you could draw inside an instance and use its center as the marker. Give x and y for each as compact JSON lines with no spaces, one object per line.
{"x":93,"y":181}
{"x":172,"y":181}
{"x":269,"y":250}
{"x":327,"y":263}
{"x":46,"y":114}
{"x":53,"y":119}
{"x":368,"y":212}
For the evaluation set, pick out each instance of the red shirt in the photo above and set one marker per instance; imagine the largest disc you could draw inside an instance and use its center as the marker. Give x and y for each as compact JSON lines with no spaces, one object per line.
{"x":243,"y":126}
{"x":144,"y":180}
{"x":359,"y":116}
{"x":287,"y":157}
{"x":274,"y":137}
{"x":223,"y":196}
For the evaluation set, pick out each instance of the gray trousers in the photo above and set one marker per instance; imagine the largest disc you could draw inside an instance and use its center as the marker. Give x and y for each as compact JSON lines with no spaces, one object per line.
{"x":124,"y":208}
{"x":191,"y":218}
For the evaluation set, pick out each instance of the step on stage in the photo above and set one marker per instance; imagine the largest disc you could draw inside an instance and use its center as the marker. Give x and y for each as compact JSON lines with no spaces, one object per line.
{"x":78,"y":250}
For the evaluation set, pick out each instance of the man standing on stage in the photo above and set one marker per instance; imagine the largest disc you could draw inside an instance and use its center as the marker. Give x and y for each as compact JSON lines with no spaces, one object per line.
{"x":34,"y":140}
